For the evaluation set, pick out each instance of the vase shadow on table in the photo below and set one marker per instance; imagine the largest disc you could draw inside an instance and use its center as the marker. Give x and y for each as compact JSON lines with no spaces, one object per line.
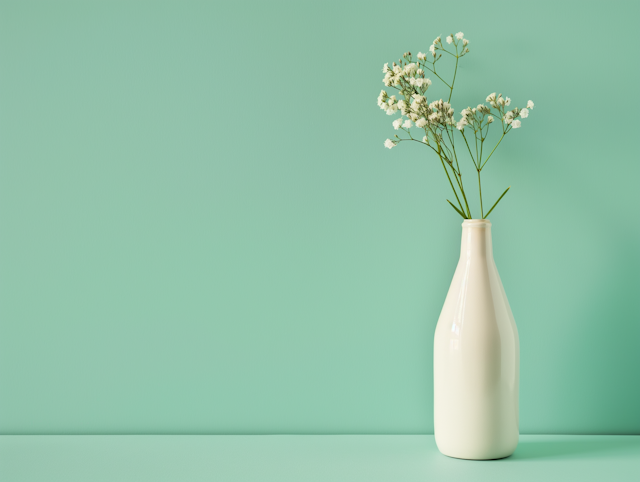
{"x":543,"y":449}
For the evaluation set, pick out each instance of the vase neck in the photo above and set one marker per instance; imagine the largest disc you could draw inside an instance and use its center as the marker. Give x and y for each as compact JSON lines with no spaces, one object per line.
{"x":476,"y":239}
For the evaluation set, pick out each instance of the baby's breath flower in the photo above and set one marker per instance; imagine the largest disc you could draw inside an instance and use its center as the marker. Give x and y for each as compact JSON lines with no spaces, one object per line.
{"x":508,"y":117}
{"x":382,"y":98}
{"x":408,"y":77}
{"x":410,"y":69}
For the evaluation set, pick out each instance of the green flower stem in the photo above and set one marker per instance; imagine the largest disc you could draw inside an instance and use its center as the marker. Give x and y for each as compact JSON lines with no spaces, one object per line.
{"x":450,"y":182}
{"x":494,"y":149}
{"x":480,"y":189}
{"x":454,"y":75}
{"x":468,"y":148}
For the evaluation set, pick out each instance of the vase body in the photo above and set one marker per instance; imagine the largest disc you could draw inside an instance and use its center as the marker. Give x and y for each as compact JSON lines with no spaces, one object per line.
{"x":476,"y":357}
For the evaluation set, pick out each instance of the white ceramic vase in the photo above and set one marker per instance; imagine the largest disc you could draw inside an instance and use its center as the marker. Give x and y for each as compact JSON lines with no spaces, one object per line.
{"x":476,"y":357}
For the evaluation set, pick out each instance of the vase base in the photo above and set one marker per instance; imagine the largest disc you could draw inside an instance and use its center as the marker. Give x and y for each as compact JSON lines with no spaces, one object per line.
{"x":459,"y":457}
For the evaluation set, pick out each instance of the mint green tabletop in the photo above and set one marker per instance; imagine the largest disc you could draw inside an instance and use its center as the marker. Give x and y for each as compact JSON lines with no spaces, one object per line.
{"x":307,"y":458}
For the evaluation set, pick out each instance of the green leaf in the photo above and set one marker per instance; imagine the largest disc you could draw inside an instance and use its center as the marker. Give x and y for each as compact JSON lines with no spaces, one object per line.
{"x":505,"y":192}
{"x":457,"y":210}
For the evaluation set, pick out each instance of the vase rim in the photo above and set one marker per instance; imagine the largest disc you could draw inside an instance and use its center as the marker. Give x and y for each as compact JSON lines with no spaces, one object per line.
{"x":476,"y":223}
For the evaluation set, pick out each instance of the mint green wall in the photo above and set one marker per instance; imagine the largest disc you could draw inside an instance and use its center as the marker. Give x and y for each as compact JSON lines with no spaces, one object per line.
{"x":201,"y":231}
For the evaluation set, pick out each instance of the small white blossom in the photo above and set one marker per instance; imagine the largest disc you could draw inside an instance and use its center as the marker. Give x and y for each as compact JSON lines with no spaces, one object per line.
{"x":410,"y":69}
{"x":407,"y":124}
{"x":491,"y":97}
{"x":381,"y":99}
{"x":465,"y":42}
{"x":422,"y":56}
{"x":425,"y":139}
{"x":507,"y":101}
{"x":385,"y":68}
{"x":392,"y":109}
{"x":421,"y":123}
{"x":461,"y":123}
{"x":437,"y":40}
{"x":524,"y":113}
{"x":508,"y":117}
{"x":530,"y":104}
{"x":459,"y":35}
{"x":397,"y":123}
{"x":515,"y":124}
{"x":449,"y":39}
{"x":389,"y":144}
{"x":489,"y":119}
{"x":432,"y":49}
{"x":420,"y":71}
